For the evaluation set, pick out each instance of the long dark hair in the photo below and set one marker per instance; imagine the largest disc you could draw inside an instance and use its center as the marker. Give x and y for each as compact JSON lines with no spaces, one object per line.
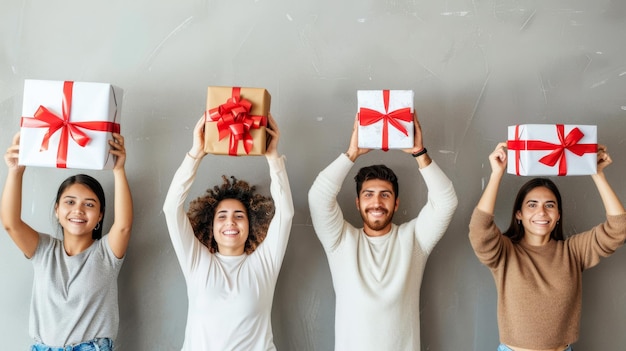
{"x":516,"y":229}
{"x":92,"y":184}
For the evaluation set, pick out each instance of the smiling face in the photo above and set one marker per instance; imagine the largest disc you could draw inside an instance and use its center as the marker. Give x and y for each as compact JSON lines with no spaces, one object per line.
{"x":231,"y":227}
{"x":78,"y":210}
{"x":539,"y":215}
{"x":377,"y":203}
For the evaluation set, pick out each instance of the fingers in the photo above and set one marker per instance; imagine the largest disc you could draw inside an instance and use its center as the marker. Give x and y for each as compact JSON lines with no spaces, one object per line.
{"x":13,"y":150}
{"x":117,"y":145}
{"x":272,"y":123}
{"x":416,"y":121}
{"x":499,"y":154}
{"x":118,"y":141}
{"x":273,"y":133}
{"x":418,"y":141}
{"x":12,"y":154}
{"x":16,"y":139}
{"x":199,"y":127}
{"x":603,"y":155}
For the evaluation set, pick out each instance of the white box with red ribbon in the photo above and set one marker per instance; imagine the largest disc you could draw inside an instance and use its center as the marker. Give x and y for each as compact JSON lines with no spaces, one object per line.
{"x":552,"y":149}
{"x":385,"y":119}
{"x":68,"y":124}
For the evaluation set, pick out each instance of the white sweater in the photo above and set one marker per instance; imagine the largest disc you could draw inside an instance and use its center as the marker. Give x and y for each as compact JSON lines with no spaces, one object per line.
{"x":377,"y":279}
{"x":230,"y":297}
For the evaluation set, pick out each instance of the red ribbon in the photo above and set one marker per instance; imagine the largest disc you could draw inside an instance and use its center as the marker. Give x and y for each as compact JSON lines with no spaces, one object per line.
{"x":44,"y":118}
{"x":569,"y":142}
{"x":233,"y":119}
{"x":368,"y":116}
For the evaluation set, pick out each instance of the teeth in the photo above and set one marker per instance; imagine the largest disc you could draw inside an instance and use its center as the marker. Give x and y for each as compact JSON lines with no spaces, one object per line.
{"x":230,"y":232}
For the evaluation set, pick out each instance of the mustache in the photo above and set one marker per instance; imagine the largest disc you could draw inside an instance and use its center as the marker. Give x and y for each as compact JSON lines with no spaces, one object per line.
{"x":380,"y":209}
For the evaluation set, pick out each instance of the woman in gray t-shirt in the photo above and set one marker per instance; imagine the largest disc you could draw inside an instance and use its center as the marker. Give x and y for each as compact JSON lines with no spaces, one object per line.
{"x":81,"y":269}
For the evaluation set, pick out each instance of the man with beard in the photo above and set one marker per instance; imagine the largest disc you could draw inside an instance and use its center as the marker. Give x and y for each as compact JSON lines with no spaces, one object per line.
{"x":377,"y":269}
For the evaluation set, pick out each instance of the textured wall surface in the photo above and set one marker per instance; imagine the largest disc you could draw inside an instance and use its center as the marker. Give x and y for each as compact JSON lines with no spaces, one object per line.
{"x":475,"y":66}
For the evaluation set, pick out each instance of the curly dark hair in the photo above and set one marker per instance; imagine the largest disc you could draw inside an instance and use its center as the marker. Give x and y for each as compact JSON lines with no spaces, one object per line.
{"x":259,"y":208}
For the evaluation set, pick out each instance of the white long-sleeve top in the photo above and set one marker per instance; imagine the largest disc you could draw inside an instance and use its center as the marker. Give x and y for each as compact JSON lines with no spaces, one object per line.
{"x":377,"y":279}
{"x":230,"y":297}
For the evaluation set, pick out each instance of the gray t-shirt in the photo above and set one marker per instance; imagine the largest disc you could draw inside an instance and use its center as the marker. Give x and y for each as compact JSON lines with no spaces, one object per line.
{"x":74,"y":297}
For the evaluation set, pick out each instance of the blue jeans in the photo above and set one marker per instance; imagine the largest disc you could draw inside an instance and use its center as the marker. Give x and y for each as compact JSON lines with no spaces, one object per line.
{"x":503,"y":347}
{"x":98,"y":344}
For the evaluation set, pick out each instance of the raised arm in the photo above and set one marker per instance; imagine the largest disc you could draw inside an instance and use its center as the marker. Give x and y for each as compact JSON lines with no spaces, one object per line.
{"x":485,"y":237}
{"x":25,"y":237}
{"x":185,"y":244}
{"x":119,"y":235}
{"x":612,"y":204}
{"x":603,"y":239}
{"x":419,"y":151}
{"x":434,"y":218}
{"x":498,"y":161}
{"x":280,"y":227}
{"x":354,"y":151}
{"x":326,"y":214}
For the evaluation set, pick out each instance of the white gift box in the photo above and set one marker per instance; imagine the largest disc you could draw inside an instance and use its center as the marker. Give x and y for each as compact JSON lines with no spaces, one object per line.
{"x":48,"y":138}
{"x":384,"y":117}
{"x":552,"y":149}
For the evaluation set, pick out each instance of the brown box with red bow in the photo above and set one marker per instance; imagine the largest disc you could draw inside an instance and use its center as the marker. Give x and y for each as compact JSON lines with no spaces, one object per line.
{"x":236,"y":121}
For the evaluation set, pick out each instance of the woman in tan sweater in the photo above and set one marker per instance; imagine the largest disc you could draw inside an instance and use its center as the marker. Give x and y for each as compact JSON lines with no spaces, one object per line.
{"x":538,"y":273}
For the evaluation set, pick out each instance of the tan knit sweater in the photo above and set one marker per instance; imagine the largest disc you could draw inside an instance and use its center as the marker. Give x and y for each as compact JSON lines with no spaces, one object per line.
{"x":540,"y":288}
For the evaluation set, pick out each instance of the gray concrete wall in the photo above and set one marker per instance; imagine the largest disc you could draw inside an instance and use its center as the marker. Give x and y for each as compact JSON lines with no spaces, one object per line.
{"x":475,"y":66}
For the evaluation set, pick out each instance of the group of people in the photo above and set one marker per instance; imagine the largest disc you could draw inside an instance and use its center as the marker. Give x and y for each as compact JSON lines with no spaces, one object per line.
{"x":230,"y":244}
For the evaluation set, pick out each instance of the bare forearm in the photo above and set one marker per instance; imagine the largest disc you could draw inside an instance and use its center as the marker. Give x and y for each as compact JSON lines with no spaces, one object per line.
{"x":612,"y":204}
{"x":123,"y":200}
{"x":423,"y":160}
{"x":21,"y":233}
{"x":487,"y":202}
{"x":119,"y":235}
{"x":11,"y":205}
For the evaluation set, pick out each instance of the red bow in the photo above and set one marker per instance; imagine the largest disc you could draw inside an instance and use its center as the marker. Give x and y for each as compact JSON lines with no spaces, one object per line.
{"x":233,"y":119}
{"x":368,"y":116}
{"x":569,"y":142}
{"x":44,"y":118}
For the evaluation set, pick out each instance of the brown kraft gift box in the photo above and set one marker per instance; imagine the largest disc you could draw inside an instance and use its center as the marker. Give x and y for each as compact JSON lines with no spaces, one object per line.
{"x":226,"y":110}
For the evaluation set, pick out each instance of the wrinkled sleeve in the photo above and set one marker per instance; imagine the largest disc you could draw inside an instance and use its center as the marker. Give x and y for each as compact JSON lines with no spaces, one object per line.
{"x":434,"y":218}
{"x":185,"y":244}
{"x":486,"y":239}
{"x":275,"y":243}
{"x":326,"y":215}
{"x":601,"y":241}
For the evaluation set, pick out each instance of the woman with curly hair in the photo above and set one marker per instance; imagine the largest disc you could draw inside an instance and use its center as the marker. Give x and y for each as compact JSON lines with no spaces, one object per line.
{"x":230,"y":246}
{"x":202,"y":210}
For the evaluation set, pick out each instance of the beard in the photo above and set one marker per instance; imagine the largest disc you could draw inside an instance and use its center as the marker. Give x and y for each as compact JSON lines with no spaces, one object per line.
{"x":378,"y":224}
